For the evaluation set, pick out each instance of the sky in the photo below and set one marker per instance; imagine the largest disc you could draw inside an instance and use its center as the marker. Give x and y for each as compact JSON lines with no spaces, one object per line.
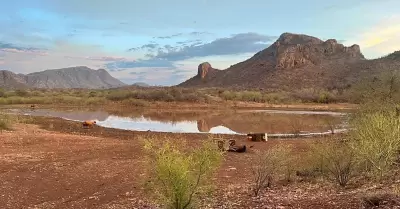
{"x":162,"y":42}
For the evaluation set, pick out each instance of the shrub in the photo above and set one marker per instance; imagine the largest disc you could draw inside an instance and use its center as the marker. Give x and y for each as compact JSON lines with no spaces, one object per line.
{"x":228,"y":95}
{"x":21,"y":93}
{"x":179,"y":175}
{"x":380,"y":200}
{"x":268,"y":164}
{"x":337,"y":159}
{"x":376,"y":137}
{"x":118,"y":95}
{"x":95,"y":101}
{"x":6,"y":121}
{"x":2,"y":93}
{"x":135,"y":102}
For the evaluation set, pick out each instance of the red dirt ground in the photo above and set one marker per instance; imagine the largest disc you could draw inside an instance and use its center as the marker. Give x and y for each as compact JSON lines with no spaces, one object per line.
{"x":56,"y":164}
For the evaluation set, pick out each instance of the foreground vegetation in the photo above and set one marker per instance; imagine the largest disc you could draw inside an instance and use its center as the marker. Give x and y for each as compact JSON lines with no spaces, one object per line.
{"x":370,"y":153}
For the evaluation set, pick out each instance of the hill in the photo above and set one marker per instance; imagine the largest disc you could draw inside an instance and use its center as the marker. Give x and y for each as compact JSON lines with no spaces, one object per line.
{"x":73,"y":77}
{"x":141,"y":84}
{"x":296,"y":61}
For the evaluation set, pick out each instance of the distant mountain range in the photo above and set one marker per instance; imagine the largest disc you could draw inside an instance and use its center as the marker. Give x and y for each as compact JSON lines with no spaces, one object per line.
{"x":141,"y":84}
{"x":72,"y":77}
{"x":294,"y":62}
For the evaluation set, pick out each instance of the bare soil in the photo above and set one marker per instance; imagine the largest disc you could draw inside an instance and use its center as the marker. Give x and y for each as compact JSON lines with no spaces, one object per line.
{"x":56,"y":164}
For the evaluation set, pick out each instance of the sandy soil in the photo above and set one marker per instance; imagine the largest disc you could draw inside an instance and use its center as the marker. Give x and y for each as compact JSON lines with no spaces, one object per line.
{"x":57,"y":164}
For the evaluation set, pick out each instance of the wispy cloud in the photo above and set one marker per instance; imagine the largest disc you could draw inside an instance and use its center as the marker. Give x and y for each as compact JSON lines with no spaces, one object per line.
{"x":121,"y":65}
{"x":167,"y":55}
{"x":150,"y":47}
{"x":194,"y":33}
{"x":170,"y":36}
{"x":236,"y":44}
{"x":383,"y":38}
{"x":104,"y":59}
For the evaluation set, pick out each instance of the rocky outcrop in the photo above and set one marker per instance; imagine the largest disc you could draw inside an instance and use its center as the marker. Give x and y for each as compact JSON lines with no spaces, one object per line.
{"x":295,"y":50}
{"x":203,"y":69}
{"x":293,"y":62}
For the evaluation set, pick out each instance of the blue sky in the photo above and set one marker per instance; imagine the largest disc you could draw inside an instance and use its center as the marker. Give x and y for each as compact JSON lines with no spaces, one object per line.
{"x":162,"y":42}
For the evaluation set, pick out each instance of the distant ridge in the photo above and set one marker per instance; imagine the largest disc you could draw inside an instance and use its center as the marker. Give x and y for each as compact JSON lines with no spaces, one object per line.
{"x":72,"y":77}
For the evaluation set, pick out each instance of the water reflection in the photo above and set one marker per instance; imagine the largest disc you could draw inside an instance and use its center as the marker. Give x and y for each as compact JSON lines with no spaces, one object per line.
{"x":224,"y":122}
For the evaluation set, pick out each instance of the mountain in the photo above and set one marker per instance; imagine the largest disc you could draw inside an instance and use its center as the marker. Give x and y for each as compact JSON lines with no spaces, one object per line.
{"x":9,"y":79}
{"x":72,"y":77}
{"x":141,"y":84}
{"x":296,"y":61}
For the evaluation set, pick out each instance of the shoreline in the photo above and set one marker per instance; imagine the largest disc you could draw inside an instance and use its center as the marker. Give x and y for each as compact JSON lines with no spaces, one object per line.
{"x":201,"y":106}
{"x":74,"y":127}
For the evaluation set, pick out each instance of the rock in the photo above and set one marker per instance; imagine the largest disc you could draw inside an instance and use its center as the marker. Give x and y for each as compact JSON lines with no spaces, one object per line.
{"x":297,"y":50}
{"x":203,"y":69}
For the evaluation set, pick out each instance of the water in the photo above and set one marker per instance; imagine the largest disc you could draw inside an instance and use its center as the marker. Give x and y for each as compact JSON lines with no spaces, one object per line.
{"x":278,"y":122}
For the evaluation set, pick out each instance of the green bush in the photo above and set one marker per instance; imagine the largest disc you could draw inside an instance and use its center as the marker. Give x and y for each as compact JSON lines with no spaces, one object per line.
{"x":179,"y":175}
{"x":118,"y":95}
{"x":6,"y":121}
{"x":21,"y":93}
{"x":376,"y":139}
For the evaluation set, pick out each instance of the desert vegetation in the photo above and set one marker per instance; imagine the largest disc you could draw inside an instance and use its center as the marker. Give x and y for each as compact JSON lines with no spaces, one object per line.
{"x":369,"y":154}
{"x":180,"y":175}
{"x":8,"y":120}
{"x":142,"y":97}
{"x":384,"y":86}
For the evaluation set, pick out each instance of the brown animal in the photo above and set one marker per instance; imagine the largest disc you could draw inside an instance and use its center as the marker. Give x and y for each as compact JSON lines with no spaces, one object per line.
{"x":237,"y":148}
{"x":33,"y":106}
{"x":88,"y":123}
{"x":257,"y":137}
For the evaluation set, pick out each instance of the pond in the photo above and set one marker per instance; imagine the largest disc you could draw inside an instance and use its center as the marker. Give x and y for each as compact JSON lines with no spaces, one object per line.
{"x":218,"y":122}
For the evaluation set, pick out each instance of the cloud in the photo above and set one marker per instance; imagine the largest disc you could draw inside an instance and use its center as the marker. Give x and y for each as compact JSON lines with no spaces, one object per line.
{"x":236,"y":44}
{"x":104,"y":58}
{"x":166,"y":56}
{"x":63,"y":54}
{"x":383,"y":38}
{"x":194,"y":33}
{"x":196,"y":41}
{"x":170,"y":36}
{"x":150,"y":47}
{"x":121,"y":65}
{"x":152,"y":76}
{"x":8,"y":47}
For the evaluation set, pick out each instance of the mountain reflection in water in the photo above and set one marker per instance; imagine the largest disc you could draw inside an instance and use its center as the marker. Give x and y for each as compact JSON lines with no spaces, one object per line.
{"x":223,"y":122}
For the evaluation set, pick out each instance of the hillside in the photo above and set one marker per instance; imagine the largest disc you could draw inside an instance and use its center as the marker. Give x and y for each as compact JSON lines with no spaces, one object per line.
{"x":73,"y":77}
{"x":296,"y":61}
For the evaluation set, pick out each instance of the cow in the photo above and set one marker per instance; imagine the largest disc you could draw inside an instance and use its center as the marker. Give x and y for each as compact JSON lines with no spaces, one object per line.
{"x":88,"y":123}
{"x":257,"y":137}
